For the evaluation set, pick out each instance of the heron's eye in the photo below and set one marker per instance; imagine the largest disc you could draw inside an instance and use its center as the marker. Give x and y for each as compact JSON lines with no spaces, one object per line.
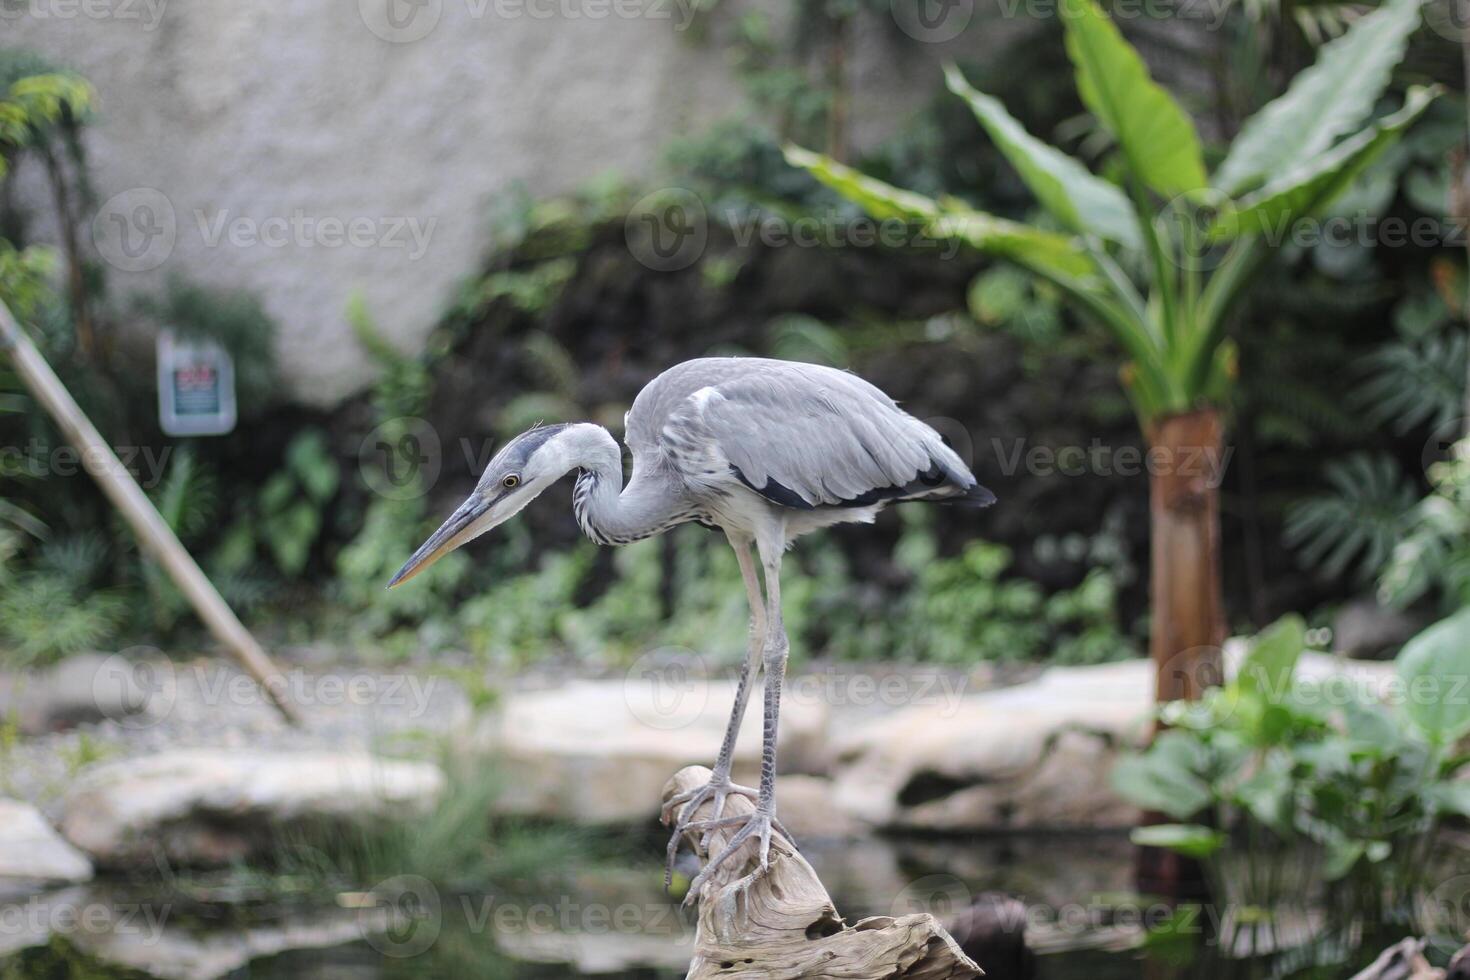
{"x":511,"y":481}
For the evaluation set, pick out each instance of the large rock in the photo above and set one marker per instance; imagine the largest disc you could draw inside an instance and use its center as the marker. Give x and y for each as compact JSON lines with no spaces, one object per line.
{"x":32,"y":855}
{"x":1035,"y":756}
{"x":1032,"y":756}
{"x":600,"y":752}
{"x":211,"y":806}
{"x":86,"y":687}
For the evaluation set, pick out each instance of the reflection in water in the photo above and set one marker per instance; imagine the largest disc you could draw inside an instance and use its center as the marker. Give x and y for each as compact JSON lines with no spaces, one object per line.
{"x":615,"y":923}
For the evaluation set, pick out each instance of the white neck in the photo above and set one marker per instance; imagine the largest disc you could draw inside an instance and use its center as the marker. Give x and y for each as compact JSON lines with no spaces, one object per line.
{"x":607,"y":513}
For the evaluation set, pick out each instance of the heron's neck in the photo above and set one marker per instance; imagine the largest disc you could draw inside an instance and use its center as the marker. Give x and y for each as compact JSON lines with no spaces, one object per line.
{"x":607,"y":513}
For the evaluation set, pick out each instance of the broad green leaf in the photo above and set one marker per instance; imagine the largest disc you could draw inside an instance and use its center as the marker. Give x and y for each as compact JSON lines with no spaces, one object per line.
{"x":1311,"y":186}
{"x":1157,"y":136}
{"x":873,"y":196}
{"x":1269,"y":795}
{"x":1051,"y":252}
{"x":1435,"y":669}
{"x":1452,"y":798}
{"x":1164,"y":777}
{"x":1081,"y":200}
{"x":1267,"y":669}
{"x":1046,"y":250}
{"x":1191,"y":840}
{"x":1326,"y":101}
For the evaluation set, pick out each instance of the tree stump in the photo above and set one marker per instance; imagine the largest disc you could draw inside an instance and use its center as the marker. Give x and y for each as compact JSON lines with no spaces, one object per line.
{"x":783,"y":926}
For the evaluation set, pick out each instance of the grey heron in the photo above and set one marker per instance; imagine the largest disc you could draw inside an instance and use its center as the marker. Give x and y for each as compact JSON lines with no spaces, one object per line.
{"x":764,"y":450}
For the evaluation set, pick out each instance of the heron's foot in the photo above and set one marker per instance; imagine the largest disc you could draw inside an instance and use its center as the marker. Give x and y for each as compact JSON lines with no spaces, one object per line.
{"x":759,"y":825}
{"x":686,"y":805}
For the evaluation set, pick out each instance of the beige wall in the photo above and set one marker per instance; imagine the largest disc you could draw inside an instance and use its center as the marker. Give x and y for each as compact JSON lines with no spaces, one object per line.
{"x":229,"y":131}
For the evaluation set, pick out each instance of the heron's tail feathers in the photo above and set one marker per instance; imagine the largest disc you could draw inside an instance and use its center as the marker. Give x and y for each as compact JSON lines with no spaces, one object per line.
{"x":975,"y":496}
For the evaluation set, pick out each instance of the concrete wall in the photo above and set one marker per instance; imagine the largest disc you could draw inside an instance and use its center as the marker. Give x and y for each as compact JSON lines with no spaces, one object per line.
{"x":306,"y":148}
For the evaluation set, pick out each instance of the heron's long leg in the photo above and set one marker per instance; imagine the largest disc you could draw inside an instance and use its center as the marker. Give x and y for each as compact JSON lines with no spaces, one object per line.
{"x":762,"y":822}
{"x":719,"y":787}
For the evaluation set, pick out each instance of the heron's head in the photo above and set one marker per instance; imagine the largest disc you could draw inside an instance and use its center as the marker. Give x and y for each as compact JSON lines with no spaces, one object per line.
{"x":528,"y":464}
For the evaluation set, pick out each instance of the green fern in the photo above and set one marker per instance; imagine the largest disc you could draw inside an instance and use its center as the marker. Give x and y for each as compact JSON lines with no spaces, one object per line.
{"x":1415,"y":383}
{"x":44,"y":618}
{"x":1358,"y":523}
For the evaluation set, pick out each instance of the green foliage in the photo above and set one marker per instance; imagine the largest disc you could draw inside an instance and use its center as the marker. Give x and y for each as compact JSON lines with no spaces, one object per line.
{"x":1358,"y":523}
{"x":1434,"y":553}
{"x":34,"y":102}
{"x":292,"y":502}
{"x":46,"y":615}
{"x":1316,"y":767}
{"x":235,"y":320}
{"x":1175,"y":340}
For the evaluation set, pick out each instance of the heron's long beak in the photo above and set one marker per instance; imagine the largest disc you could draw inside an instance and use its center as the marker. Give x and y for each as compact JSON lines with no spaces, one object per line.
{"x":462,"y":525}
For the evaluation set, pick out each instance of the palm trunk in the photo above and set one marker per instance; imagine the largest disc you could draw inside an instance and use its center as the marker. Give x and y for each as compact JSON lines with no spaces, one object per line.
{"x":1188,"y":628}
{"x":1184,"y":509}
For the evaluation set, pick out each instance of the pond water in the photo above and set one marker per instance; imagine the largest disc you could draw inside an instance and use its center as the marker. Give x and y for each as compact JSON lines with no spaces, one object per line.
{"x":614,"y":924}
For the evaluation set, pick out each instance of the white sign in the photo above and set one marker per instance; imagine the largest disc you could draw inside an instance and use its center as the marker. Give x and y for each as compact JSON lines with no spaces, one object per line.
{"x":196,"y":387}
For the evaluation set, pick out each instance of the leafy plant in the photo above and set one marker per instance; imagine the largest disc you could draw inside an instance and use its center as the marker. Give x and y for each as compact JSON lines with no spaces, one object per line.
{"x":293,"y":500}
{"x":1433,"y":554}
{"x":1160,"y":258}
{"x":1319,"y":777}
{"x":1358,"y":523}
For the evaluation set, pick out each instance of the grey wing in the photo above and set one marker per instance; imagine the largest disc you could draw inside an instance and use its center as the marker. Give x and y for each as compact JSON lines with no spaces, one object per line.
{"x":808,"y":436}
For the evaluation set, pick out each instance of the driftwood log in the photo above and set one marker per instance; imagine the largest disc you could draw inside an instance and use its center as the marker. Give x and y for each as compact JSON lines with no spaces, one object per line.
{"x":783,"y":925}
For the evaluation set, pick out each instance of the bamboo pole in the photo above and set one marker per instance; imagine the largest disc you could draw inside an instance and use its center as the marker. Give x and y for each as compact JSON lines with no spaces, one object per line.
{"x":154,"y":534}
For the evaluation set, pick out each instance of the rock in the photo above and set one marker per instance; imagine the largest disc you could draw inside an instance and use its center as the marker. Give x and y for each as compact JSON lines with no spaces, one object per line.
{"x":32,"y":855}
{"x":599,"y":752}
{"x":210,"y":806}
{"x":806,"y":807}
{"x":87,"y":687}
{"x":1034,"y":756}
{"x":118,"y":930}
{"x":1037,"y":756}
{"x":1364,"y":628}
